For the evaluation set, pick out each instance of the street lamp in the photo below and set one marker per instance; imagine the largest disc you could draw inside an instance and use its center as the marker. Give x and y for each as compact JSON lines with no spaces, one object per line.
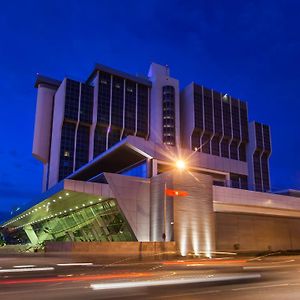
{"x":180,"y":164}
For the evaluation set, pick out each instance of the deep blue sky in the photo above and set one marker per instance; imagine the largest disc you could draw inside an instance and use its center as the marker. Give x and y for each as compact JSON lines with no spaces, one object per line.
{"x":249,"y":49}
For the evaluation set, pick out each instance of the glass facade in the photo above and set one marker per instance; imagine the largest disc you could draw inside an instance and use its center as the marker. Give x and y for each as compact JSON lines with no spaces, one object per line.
{"x":137,"y":171}
{"x":72,"y":100}
{"x":86,"y":103}
{"x":82,"y":146}
{"x":221,"y":124}
{"x":66,"y":150}
{"x":168,"y":100}
{"x":101,"y":221}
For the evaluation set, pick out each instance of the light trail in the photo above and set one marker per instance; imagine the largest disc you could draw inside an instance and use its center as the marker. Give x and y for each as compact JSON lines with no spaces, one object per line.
{"x":75,"y":264}
{"x":149,"y":283}
{"x":26,"y":270}
{"x":75,"y":278}
{"x":25,"y":266}
{"x":205,"y":262}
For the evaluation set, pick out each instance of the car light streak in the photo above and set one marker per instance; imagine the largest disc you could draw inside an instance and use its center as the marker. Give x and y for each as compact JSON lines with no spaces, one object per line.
{"x":77,"y":278}
{"x":74,"y":264}
{"x":25,"y":266}
{"x":26,"y":270}
{"x":205,"y":262}
{"x":148,"y":283}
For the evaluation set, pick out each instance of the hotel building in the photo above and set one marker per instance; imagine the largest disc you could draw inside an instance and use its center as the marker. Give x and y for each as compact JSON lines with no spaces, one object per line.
{"x":109,"y":148}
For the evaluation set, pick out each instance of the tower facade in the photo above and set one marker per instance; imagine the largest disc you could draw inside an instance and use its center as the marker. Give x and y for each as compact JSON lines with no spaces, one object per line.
{"x":78,"y":121}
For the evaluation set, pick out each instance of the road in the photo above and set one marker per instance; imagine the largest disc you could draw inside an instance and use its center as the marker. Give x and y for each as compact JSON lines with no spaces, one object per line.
{"x":90,"y":277}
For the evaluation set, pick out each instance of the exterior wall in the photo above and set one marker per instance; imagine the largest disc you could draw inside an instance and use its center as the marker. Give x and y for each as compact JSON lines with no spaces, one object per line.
{"x":244,"y":232}
{"x":194,"y":228}
{"x":186,"y":118}
{"x":58,"y":117}
{"x":94,"y":83}
{"x":258,"y":154}
{"x":216,"y":125}
{"x":120,"y":249}
{"x":159,"y":76}
{"x":132,"y":194}
{"x":244,"y":201}
{"x":191,"y":216}
{"x":157,"y":194}
{"x":43,"y":122}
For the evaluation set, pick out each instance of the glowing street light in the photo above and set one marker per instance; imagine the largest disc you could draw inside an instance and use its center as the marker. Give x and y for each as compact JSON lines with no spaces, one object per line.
{"x":180,"y":164}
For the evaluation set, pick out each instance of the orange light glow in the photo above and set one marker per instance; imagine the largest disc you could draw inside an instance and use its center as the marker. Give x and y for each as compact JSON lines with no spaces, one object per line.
{"x":178,"y":193}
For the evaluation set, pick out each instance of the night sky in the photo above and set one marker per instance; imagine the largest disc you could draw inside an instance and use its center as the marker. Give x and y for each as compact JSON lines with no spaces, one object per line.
{"x":248,"y":49}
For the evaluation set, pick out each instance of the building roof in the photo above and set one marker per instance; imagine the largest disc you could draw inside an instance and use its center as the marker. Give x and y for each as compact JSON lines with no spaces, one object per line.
{"x":99,"y":67}
{"x":41,"y":79}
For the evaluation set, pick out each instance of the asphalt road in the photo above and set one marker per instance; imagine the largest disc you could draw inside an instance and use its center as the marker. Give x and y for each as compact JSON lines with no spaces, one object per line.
{"x":84,"y":277}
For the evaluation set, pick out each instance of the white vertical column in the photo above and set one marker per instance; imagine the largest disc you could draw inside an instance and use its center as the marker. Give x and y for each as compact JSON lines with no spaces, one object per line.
{"x":94,"y":118}
{"x":136,"y":107}
{"x":148,"y":107}
{"x":110,"y":109}
{"x":203,"y":119}
{"x":76,"y":128}
{"x":222,"y":120}
{"x":124,"y":104}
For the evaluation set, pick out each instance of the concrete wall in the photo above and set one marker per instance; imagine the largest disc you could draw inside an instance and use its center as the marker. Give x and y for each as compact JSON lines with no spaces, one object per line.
{"x":132,"y":194}
{"x":159,"y":76}
{"x":43,"y":123}
{"x":256,"y":232}
{"x":58,"y":117}
{"x":243,"y":201}
{"x":194,"y":228}
{"x":120,"y":249}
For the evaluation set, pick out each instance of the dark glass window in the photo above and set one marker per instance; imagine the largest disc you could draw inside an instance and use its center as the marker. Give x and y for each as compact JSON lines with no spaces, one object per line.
{"x":117,"y":102}
{"x":196,"y":141}
{"x":130,"y":107}
{"x":113,"y":137}
{"x":244,"y":121}
{"x":208,"y":111}
{"x":235,"y":115}
{"x":99,"y":140}
{"x":168,"y":99}
{"x":215,"y":149}
{"x":244,"y":182}
{"x":226,"y":118}
{"x":225,"y":148}
{"x":142,"y":111}
{"x":242,"y":152}
{"x":267,"y":140}
{"x":137,"y":171}
{"x":218,"y":113}
{"x":234,"y":150}
{"x":72,"y":99}
{"x":103,"y":99}
{"x":235,"y":180}
{"x":82,"y":146}
{"x":66,"y":150}
{"x":86,"y":103}
{"x":198,"y":107}
{"x":205,"y":143}
{"x":258,"y":136}
{"x":257,"y":171}
{"x":265,"y":171}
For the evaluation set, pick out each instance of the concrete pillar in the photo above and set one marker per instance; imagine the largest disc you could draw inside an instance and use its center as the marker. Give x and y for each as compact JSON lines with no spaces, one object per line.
{"x":194,"y":224}
{"x":31,"y":234}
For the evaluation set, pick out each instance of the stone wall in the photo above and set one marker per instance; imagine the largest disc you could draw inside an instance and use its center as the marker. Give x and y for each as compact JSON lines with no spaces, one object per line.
{"x":249,"y":232}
